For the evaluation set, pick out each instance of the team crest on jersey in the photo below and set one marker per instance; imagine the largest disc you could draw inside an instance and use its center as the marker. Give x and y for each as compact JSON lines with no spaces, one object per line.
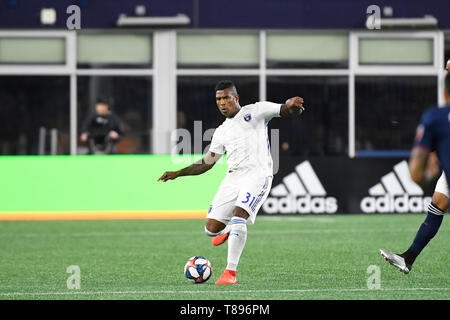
{"x":419,"y":132}
{"x":248,"y":117}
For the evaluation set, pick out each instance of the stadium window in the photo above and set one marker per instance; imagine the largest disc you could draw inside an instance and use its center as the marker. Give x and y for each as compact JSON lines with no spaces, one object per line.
{"x":114,"y":50}
{"x":31,"y":106}
{"x":130,"y":98}
{"x":32,"y":51}
{"x":323,"y":127}
{"x":196,"y":101}
{"x":292,"y":50}
{"x":217,"y":50}
{"x":387,"y":110}
{"x":395,"y":51}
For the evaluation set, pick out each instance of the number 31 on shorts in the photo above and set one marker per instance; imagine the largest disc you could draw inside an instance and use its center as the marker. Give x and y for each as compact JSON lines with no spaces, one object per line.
{"x":247,"y":199}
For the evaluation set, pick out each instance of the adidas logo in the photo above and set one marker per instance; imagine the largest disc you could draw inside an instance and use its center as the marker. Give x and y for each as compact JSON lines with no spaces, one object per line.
{"x":395,"y":193}
{"x":300,"y":192}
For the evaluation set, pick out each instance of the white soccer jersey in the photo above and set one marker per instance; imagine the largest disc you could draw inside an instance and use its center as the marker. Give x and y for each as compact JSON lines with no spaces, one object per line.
{"x":244,"y":138}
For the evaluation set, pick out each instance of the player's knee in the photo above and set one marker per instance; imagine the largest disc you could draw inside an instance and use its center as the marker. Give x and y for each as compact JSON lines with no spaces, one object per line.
{"x":240,"y":212}
{"x":440,"y":201}
{"x":213,"y":227}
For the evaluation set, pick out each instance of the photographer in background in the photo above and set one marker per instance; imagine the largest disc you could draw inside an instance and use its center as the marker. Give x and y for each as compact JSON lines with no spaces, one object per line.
{"x":102,"y":130}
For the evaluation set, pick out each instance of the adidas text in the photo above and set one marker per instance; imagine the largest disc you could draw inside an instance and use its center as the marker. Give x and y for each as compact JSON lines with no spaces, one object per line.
{"x":389,"y":203}
{"x":396,"y":192}
{"x":301,"y":205}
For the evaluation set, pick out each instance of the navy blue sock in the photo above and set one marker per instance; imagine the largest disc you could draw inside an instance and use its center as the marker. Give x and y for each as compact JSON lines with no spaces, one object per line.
{"x":428,"y":229}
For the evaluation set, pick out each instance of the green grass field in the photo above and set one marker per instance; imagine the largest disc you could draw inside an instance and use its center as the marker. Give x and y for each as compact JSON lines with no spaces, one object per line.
{"x":285,"y":258}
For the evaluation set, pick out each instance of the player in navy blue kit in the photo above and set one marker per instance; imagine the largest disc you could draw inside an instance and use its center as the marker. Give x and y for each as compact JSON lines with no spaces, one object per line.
{"x":432,"y":134}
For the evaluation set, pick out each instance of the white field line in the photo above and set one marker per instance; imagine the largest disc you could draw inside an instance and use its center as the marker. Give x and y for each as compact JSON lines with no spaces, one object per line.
{"x":15,"y":294}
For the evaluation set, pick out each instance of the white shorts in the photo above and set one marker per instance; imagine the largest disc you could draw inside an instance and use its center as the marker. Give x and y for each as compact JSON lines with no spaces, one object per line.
{"x":249,"y":193}
{"x":442,"y":185}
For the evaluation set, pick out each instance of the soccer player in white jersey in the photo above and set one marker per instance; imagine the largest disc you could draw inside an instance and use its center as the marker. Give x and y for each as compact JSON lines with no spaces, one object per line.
{"x":243,"y":137}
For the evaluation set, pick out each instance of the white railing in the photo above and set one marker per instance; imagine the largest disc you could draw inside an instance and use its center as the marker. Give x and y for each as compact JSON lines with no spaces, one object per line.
{"x":165,"y":72}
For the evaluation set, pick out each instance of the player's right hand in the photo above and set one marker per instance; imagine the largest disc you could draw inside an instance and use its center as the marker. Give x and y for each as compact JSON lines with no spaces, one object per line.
{"x":295,"y":104}
{"x":168,"y":175}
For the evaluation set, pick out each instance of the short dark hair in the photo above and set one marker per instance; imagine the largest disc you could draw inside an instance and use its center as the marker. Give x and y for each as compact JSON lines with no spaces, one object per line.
{"x":102,"y":101}
{"x":225,"y":84}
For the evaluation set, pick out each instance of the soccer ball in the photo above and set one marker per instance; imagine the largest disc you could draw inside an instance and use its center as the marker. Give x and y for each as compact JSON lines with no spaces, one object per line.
{"x":198,"y":269}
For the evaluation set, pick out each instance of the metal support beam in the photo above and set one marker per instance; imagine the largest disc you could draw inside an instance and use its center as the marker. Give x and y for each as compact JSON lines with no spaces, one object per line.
{"x":164,"y":91}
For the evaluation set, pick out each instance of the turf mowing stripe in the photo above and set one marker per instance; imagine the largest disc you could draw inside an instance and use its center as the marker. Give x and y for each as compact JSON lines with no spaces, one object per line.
{"x":102,"y":215}
{"x":6,"y":294}
{"x":192,"y":232}
{"x":282,"y":218}
{"x":126,"y":215}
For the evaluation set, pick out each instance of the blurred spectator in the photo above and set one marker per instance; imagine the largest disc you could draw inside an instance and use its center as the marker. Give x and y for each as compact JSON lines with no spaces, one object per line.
{"x":14,"y":131}
{"x":181,"y":119}
{"x":285,"y":149}
{"x":102,"y":130}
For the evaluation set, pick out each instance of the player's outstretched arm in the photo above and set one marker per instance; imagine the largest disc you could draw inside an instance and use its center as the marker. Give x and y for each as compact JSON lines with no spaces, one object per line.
{"x":418,"y":163}
{"x":292,"y":107}
{"x":199,"y":167}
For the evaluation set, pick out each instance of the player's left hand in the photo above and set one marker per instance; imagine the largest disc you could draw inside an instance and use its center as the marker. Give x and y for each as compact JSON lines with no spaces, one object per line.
{"x":295,"y":105}
{"x":169,"y":175}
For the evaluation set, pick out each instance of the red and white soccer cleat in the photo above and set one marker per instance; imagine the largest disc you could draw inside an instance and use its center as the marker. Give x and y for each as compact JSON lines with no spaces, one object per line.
{"x":218,"y":240}
{"x":227,"y":277}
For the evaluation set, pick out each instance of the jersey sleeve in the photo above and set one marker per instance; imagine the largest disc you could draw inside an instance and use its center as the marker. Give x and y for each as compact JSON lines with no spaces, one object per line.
{"x":268,"y":110}
{"x":216,"y":145}
{"x":425,"y":134}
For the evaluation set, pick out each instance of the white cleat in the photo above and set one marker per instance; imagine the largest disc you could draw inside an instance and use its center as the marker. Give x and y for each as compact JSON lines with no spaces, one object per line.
{"x":396,"y":260}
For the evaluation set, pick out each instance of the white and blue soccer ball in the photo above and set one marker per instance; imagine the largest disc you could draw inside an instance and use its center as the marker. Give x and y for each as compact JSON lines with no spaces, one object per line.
{"x":198,"y":269}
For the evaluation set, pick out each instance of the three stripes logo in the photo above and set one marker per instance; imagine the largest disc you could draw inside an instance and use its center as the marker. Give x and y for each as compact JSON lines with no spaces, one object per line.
{"x":301,"y":192}
{"x":395,"y":193}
